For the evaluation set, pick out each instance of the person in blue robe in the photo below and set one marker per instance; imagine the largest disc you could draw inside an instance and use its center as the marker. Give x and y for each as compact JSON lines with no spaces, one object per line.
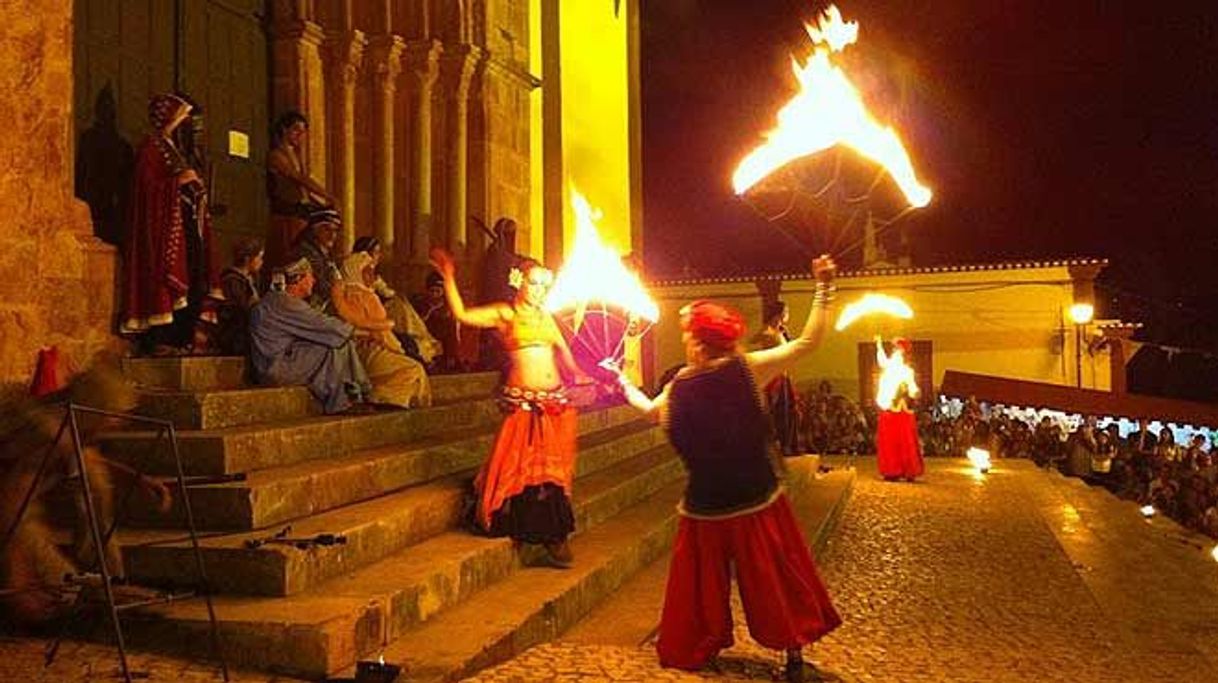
{"x":292,"y":343}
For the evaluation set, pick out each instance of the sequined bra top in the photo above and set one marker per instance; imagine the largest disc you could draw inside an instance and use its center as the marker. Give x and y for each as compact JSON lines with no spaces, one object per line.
{"x":530,"y":330}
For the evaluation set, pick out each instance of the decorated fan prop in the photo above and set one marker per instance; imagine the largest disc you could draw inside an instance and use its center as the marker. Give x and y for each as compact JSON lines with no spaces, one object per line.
{"x":873,"y":304}
{"x":596,"y":299}
{"x":792,"y":179}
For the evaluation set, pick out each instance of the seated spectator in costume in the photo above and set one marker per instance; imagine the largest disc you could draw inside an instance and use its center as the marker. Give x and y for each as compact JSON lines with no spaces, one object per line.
{"x":293,"y":343}
{"x":432,"y":307}
{"x":238,"y":283}
{"x":318,"y":243}
{"x":410,"y":329}
{"x":397,"y":379}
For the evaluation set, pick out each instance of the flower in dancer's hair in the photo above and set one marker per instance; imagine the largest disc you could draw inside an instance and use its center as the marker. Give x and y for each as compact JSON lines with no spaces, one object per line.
{"x":516,"y":278}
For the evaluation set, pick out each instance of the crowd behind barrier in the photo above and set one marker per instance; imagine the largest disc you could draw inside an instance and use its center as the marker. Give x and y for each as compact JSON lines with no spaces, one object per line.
{"x":1150,"y":463}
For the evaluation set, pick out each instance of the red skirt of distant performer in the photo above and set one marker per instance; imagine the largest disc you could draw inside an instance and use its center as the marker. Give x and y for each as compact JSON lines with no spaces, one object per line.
{"x":896,"y":442}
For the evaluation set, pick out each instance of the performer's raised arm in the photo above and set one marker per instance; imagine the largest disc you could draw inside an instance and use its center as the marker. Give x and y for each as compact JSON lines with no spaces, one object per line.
{"x":478,"y":316}
{"x":769,"y":363}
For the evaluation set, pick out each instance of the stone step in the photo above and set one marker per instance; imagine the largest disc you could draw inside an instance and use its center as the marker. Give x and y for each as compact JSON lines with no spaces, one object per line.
{"x":327,"y":629}
{"x":187,"y":373}
{"x":373,"y":529}
{"x":221,"y":408}
{"x":535,"y":605}
{"x":245,"y":449}
{"x":280,"y":494}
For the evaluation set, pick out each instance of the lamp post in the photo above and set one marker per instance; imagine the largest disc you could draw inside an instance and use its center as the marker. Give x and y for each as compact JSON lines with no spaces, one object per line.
{"x":1081,"y":313}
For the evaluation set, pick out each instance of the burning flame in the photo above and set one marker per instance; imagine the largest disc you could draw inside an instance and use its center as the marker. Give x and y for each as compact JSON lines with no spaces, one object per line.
{"x":594,"y":272}
{"x":980,"y":459}
{"x":1148,"y":511}
{"x":894,"y":373}
{"x":870,"y":304}
{"x":828,"y":111}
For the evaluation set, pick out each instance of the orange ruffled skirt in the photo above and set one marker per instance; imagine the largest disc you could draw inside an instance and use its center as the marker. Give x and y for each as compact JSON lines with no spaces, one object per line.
{"x":535,"y":446}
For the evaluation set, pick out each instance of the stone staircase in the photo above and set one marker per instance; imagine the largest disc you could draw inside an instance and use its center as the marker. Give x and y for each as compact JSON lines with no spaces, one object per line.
{"x":409,"y":583}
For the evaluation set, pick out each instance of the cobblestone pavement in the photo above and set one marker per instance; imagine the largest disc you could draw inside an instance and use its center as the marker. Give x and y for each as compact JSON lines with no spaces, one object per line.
{"x":21,"y":659}
{"x":1019,"y":575}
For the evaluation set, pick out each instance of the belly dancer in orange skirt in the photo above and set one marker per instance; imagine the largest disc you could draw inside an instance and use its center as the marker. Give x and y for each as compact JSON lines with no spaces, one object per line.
{"x":524,"y":487}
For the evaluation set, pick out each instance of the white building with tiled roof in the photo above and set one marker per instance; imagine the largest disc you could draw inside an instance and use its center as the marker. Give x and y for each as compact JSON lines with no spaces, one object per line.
{"x":1002,"y":319}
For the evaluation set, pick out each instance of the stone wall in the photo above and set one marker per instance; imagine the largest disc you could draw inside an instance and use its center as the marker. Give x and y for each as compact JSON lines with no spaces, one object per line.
{"x":57,"y":282}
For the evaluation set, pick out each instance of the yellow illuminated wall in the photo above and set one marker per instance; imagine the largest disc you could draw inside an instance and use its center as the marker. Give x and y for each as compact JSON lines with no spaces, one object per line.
{"x":595,"y":115}
{"x":1007,"y":323}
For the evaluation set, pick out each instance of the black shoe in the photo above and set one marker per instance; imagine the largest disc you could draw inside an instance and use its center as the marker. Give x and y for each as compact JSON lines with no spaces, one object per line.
{"x":560,"y":555}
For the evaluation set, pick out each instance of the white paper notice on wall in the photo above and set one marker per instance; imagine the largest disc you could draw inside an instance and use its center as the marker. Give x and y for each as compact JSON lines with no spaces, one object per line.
{"x":238,"y":144}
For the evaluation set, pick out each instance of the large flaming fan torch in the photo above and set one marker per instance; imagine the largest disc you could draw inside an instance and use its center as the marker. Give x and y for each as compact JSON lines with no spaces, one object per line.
{"x":829,"y":113}
{"x":596,"y":299}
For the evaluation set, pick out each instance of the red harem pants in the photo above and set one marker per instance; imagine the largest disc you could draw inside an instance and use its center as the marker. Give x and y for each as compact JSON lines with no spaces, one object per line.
{"x":785,"y":603}
{"x":896,"y":444}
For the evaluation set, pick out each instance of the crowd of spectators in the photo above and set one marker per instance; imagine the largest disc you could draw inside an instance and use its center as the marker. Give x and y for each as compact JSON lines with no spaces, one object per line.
{"x":1171,"y":470}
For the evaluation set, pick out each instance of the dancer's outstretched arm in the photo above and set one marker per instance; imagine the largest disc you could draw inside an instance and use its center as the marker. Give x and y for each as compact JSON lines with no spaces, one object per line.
{"x":767,"y":364}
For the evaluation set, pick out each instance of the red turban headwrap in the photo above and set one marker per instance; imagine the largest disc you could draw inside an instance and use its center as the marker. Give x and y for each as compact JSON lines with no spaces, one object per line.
{"x":905,"y":345}
{"x":713,"y":324}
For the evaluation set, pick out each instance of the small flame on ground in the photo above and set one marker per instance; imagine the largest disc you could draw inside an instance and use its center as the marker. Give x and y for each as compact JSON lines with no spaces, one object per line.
{"x":1214,"y":553}
{"x":870,"y":304}
{"x":380,"y":660}
{"x":980,"y":459}
{"x":1148,"y":511}
{"x":594,"y":271}
{"x":827,"y":111}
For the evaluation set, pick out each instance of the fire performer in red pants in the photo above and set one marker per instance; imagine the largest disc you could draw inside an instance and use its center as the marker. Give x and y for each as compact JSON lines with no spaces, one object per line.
{"x":735,"y":513}
{"x":898,"y":454}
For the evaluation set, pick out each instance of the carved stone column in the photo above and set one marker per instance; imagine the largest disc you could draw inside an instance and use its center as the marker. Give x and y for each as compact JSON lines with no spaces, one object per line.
{"x":344,"y":52}
{"x":297,"y":82}
{"x":385,"y":61}
{"x":421,"y":68}
{"x":456,"y":70}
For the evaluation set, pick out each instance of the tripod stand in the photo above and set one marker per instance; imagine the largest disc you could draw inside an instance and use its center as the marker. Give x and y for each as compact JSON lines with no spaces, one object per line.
{"x":70,"y":423}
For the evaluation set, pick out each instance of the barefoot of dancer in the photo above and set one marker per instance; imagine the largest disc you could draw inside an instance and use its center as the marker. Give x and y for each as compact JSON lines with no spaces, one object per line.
{"x":734,"y":512}
{"x":524,"y":487}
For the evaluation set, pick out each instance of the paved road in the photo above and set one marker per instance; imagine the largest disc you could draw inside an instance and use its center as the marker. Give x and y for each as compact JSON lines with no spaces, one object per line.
{"x":1021,"y":575}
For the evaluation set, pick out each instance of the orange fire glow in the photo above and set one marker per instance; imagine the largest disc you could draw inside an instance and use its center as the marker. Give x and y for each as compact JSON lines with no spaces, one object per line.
{"x":594,"y":272}
{"x":894,"y":373}
{"x":827,"y":111}
{"x":872,"y":304}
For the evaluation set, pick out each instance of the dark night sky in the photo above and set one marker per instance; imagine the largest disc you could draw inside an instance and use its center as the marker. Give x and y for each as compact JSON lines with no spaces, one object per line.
{"x":1046,"y":129}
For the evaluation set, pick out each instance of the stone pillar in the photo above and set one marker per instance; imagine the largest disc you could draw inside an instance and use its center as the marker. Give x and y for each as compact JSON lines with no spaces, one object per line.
{"x":456,"y":71}
{"x":60,"y":282}
{"x":384,"y":59}
{"x":421,"y":68}
{"x":554,"y":195}
{"x":344,"y":52}
{"x":296,"y":77}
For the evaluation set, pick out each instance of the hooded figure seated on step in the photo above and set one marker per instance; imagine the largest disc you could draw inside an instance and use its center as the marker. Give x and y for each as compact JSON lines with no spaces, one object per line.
{"x":408,"y":327}
{"x":397,"y":379}
{"x":292,"y":343}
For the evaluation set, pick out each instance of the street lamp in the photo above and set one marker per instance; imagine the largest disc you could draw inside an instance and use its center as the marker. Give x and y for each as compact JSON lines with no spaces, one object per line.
{"x":1081,"y":313}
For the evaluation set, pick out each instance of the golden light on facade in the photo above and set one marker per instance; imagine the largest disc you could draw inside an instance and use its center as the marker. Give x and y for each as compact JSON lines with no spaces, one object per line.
{"x":1082,"y":313}
{"x":594,"y":273}
{"x":894,"y":374}
{"x":828,"y":111}
{"x":873,"y":304}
